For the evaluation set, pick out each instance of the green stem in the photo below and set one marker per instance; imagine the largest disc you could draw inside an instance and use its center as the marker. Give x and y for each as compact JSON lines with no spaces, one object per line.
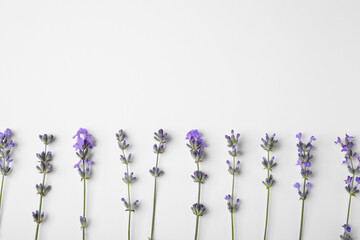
{"x":232,"y":225}
{"x":348,"y":212}
{"x":37,"y":231}
{"x":128,"y":186}
{"x":267,"y":212}
{"x":2,"y":185}
{"x":129,"y":224}
{"x":154,"y":201}
{"x":350,"y":196}
{"x":267,"y":201}
{"x":40,"y":207}
{"x":197,"y":217}
{"x":302,"y":211}
{"x":40,"y":204}
{"x":196,"y":227}
{"x":3,"y":176}
{"x":199,"y":189}
{"x":232,"y":202}
{"x":84,"y":203}
{"x":129,"y":197}
{"x":153,"y":216}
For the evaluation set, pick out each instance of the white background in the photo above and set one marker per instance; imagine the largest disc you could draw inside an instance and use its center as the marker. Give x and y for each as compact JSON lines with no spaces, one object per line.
{"x":253,"y":66}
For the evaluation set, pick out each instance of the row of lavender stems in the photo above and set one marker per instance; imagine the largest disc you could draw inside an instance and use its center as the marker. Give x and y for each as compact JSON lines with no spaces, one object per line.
{"x":196,"y":144}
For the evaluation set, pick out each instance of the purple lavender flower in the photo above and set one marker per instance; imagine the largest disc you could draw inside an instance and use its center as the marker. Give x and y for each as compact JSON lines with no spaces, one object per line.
{"x":227,"y":197}
{"x":88,"y":163}
{"x":193,"y":134}
{"x":120,"y":137}
{"x":6,"y":133}
{"x":125,"y":203}
{"x":5,"y":166}
{"x":159,"y":149}
{"x":198,"y":209}
{"x":352,"y":186}
{"x":42,"y":189}
{"x":233,"y":169}
{"x":346,"y":228}
{"x":38,"y":218}
{"x":45,"y":157}
{"x":269,"y":181}
{"x":269,"y":164}
{"x":81,"y":165}
{"x":304,"y":157}
{"x":6,"y":144}
{"x":302,"y":194}
{"x":130,"y":207}
{"x":128,"y":178}
{"x":126,"y":160}
{"x":78,"y":164}
{"x":161,"y":136}
{"x":84,"y":143}
{"x":199,"y":177}
{"x":348,"y":180}
{"x":44,"y":167}
{"x":232,"y":140}
{"x":357,"y":180}
{"x":347,"y":145}
{"x":82,"y":146}
{"x":83,"y":140}
{"x":269,"y":143}
{"x":346,"y":235}
{"x":231,"y":205}
{"x":196,"y":145}
{"x":46,"y":139}
{"x":351,"y":182}
{"x":82,"y":222}
{"x":156,"y":172}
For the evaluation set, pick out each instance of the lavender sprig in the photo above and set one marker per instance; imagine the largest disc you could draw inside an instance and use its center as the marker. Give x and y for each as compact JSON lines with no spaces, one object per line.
{"x":304,"y":157}
{"x":197,"y":145}
{"x":128,"y":177}
{"x":269,"y":143}
{"x":6,"y":144}
{"x":161,"y":137}
{"x":351,"y":182}
{"x":233,"y":169}
{"x":83,"y":145}
{"x":44,"y":168}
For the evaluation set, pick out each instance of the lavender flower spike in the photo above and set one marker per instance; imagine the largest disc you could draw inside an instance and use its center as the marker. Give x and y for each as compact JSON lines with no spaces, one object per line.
{"x":352,"y":182}
{"x":128,"y":178}
{"x":196,"y":145}
{"x":6,"y":144}
{"x":304,"y":157}
{"x":44,"y":168}
{"x":233,"y":169}
{"x":84,"y":143}
{"x":161,"y":138}
{"x":268,"y":144}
